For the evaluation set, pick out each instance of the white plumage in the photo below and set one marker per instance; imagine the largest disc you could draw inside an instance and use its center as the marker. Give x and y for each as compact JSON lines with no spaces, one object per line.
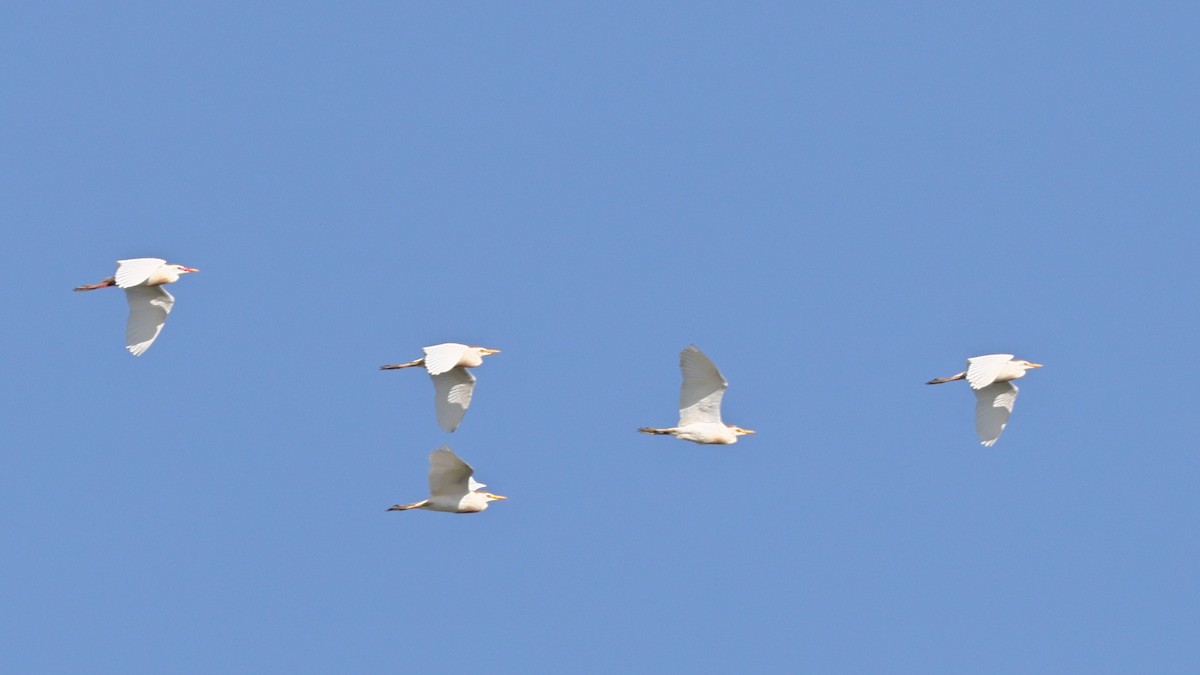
{"x":700,"y":403}
{"x":453,"y":385}
{"x":142,"y":280}
{"x":991,"y":378}
{"x":452,"y":487}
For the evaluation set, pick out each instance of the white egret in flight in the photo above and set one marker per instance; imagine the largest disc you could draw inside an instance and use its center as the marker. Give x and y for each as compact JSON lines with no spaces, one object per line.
{"x":149,"y":303}
{"x":452,"y":385}
{"x":451,"y":486}
{"x":991,"y":377}
{"x":700,"y":403}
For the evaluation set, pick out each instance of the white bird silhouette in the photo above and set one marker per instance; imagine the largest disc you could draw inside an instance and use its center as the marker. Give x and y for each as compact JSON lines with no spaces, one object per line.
{"x":149,"y":303}
{"x":452,"y":385}
{"x":700,"y":403}
{"x":991,"y":377}
{"x":452,"y":487}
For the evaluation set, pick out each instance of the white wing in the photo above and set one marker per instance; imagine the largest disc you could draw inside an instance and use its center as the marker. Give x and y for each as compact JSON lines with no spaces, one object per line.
{"x":452,"y":393}
{"x":983,"y":370}
{"x":148,"y":310}
{"x":449,"y":476}
{"x":136,"y":270}
{"x":443,"y":357}
{"x":993,"y":405}
{"x":703,"y":387}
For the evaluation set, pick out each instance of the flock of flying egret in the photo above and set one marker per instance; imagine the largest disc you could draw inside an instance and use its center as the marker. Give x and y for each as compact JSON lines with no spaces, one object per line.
{"x":452,"y":486}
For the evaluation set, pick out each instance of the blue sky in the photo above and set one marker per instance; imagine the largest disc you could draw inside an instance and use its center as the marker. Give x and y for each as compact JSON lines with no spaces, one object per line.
{"x":834,"y":203}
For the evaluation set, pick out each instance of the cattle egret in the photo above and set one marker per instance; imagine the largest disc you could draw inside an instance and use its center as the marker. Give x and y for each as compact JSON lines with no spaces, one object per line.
{"x":451,"y":486}
{"x":149,"y":303}
{"x":991,"y":377}
{"x":452,"y":385}
{"x":700,"y":403}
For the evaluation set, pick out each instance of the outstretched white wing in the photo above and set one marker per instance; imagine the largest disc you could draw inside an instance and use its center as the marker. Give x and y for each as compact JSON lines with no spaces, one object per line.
{"x":983,"y":370}
{"x":449,"y":476}
{"x":148,"y":310}
{"x":452,"y":391}
{"x":993,"y":405}
{"x":443,"y":357}
{"x":136,"y":271}
{"x":703,"y":387}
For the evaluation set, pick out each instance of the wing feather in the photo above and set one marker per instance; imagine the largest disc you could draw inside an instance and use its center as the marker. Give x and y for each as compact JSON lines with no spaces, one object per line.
{"x":702,"y":390}
{"x":148,"y":310}
{"x":452,"y":392}
{"x":443,"y":357}
{"x":983,"y":370}
{"x":136,"y":271}
{"x":993,"y":404}
{"x":449,"y":476}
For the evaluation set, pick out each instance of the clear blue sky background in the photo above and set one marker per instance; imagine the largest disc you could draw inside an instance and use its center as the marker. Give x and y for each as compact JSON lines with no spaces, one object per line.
{"x":835,"y":204}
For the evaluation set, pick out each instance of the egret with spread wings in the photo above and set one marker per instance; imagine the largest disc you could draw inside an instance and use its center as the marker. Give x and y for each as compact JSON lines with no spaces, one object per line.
{"x":991,"y":378}
{"x":452,"y":385}
{"x":452,"y":486}
{"x":700,"y":403}
{"x":149,"y":303}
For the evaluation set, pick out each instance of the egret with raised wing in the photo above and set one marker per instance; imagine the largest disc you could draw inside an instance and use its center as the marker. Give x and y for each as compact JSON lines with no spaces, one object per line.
{"x":149,"y":303}
{"x":700,"y":403}
{"x":452,"y":385}
{"x":452,"y":486}
{"x":991,"y":378}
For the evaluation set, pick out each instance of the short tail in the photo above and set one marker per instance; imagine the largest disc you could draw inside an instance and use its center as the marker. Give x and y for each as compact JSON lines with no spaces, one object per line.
{"x":943,"y":380}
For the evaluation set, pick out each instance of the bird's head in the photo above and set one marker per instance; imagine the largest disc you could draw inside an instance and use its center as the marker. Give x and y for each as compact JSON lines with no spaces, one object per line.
{"x":491,"y":497}
{"x":182,"y":269}
{"x":740,"y":431}
{"x":1028,"y":364}
{"x":484,"y":351}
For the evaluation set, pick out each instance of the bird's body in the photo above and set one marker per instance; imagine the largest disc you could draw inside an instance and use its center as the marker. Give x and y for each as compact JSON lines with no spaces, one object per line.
{"x":700,"y":403}
{"x":452,"y":487}
{"x":706,"y":433}
{"x":991,"y":378}
{"x":453,"y":386}
{"x":469,"y":503}
{"x":142,"y":279}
